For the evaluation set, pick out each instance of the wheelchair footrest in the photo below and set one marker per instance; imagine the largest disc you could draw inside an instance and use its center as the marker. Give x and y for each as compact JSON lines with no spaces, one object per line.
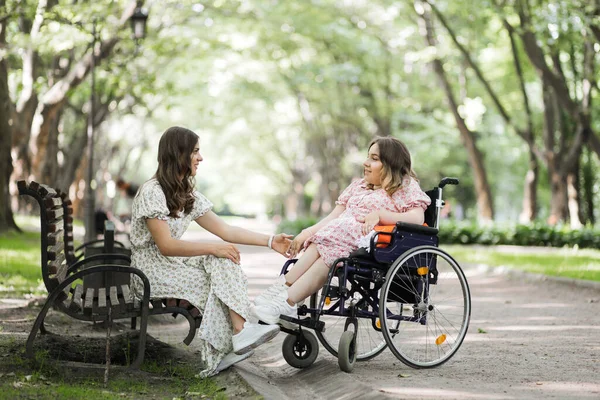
{"x":308,"y":322}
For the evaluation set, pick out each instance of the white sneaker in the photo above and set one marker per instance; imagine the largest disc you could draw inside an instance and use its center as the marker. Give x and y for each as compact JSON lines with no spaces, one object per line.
{"x":269,"y":313}
{"x":276,"y":289}
{"x":231,"y":359}
{"x":279,"y":288}
{"x":253,"y":335}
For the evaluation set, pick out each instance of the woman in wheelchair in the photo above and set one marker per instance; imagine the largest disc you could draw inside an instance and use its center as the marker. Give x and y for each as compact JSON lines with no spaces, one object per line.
{"x":388,"y":193}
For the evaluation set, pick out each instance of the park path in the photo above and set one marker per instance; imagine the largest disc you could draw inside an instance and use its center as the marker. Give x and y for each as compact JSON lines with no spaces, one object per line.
{"x":528,"y":339}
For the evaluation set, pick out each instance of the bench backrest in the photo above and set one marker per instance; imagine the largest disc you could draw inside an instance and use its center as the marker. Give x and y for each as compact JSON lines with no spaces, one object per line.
{"x":54,"y":263}
{"x":68,"y":235}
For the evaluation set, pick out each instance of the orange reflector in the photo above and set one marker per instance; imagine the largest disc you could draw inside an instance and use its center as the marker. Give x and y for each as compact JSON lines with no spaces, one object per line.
{"x":327,"y":300}
{"x":440,"y":339}
{"x":422,"y":271}
{"x":378,"y":324}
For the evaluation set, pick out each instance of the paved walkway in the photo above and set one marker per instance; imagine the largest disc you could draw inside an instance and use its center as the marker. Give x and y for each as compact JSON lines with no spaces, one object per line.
{"x":527,"y":339}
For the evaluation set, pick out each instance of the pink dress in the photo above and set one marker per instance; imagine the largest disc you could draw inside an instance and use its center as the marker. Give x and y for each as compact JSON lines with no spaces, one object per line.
{"x":340,"y":237}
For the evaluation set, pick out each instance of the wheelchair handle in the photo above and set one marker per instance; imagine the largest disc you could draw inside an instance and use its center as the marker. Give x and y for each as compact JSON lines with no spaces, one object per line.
{"x":448,"y":181}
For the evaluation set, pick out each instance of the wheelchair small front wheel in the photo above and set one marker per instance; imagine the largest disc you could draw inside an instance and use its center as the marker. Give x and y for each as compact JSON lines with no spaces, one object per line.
{"x":347,"y":351}
{"x":300,"y":351}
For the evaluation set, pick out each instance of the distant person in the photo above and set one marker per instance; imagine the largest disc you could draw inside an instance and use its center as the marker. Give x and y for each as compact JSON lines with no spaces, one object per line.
{"x":128,"y":188}
{"x":100,"y":216}
{"x":388,"y":193}
{"x":206,"y":274}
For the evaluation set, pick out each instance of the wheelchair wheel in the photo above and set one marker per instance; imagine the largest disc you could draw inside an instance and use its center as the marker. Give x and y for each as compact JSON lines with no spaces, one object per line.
{"x":369,"y":341}
{"x":300,"y":351}
{"x":432,"y":293}
{"x":347,"y":352}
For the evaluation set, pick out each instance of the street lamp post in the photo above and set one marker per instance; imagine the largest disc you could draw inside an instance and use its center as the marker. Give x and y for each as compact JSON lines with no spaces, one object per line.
{"x":90,"y":199}
{"x":138,"y":26}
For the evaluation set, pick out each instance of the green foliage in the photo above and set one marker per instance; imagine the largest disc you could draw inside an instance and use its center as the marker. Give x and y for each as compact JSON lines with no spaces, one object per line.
{"x":296,"y":226}
{"x":20,"y":260}
{"x":520,"y":235}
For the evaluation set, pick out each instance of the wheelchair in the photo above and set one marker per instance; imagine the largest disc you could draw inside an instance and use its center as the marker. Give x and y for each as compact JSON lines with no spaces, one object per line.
{"x":403,"y":293}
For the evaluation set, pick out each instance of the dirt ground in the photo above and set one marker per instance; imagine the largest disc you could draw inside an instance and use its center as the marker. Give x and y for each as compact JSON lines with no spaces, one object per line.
{"x":83,"y":344}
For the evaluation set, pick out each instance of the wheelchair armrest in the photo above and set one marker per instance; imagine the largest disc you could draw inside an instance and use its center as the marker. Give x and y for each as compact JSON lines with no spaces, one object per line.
{"x":427,"y":230}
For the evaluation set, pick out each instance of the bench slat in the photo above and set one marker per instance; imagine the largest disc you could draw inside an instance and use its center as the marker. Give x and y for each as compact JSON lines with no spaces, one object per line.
{"x":77,"y":301}
{"x":54,"y":214}
{"x":55,"y":251}
{"x":54,"y":226}
{"x":171,"y":302}
{"x":46,"y":190}
{"x":126,"y":297}
{"x":156,"y":304}
{"x":89,"y":301}
{"x":69,"y":301}
{"x":53,"y":202}
{"x":101,"y":303}
{"x":55,"y":237}
{"x":114,"y":298}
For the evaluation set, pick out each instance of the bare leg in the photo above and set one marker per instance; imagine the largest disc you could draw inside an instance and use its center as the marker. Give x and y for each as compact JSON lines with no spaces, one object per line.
{"x":311,"y":281}
{"x":302,"y":265}
{"x":237,"y":321}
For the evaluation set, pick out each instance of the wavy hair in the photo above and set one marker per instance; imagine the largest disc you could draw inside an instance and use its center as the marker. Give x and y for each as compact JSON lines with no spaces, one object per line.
{"x":174,"y":168}
{"x":397,"y":165}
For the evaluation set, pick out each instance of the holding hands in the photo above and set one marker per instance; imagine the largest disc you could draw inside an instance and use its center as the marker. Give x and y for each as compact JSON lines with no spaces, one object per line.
{"x":281,"y":243}
{"x":369,"y":221}
{"x":298,"y":242}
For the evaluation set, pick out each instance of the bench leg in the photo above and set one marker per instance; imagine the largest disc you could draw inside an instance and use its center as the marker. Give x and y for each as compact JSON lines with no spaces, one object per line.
{"x":133,"y":323}
{"x":43,"y":329}
{"x":38,"y":325}
{"x":142,"y":341}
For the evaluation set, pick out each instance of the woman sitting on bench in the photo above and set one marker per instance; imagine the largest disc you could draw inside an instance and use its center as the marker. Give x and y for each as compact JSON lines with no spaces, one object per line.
{"x":208,"y":275}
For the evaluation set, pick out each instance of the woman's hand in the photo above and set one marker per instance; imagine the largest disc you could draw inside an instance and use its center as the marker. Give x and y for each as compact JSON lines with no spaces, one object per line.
{"x":298,"y":242}
{"x":227,"y":250}
{"x":369,"y":221}
{"x":281,"y":243}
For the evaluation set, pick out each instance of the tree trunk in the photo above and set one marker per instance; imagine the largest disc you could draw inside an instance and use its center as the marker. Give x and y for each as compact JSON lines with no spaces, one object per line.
{"x":529,"y":212}
{"x":7,"y":221}
{"x":485,"y":206}
{"x":573,"y":198}
{"x":49,"y":167}
{"x":54,"y":99}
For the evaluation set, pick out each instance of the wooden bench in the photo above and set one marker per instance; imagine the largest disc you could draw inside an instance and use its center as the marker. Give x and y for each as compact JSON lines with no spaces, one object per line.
{"x":64,"y":274}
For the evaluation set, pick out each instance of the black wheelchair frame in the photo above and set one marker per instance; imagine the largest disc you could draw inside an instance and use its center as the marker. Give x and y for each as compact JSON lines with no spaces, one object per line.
{"x":412,"y":255}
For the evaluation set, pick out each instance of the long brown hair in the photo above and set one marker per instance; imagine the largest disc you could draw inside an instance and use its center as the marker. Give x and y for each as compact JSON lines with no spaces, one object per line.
{"x":395,"y":157}
{"x":174,"y":168}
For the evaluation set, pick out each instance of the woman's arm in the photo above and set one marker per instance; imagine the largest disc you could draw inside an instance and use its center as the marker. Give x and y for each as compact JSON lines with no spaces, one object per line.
{"x":384,"y":217}
{"x":214,"y":224}
{"x":169,"y":246}
{"x":336,"y":212}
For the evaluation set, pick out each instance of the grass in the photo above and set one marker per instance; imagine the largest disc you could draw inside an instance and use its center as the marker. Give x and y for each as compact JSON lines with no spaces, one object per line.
{"x":48,"y":380}
{"x":563,"y":262}
{"x":20,"y":263}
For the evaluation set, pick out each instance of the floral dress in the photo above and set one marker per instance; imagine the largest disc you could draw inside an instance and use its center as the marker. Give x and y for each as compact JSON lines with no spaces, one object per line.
{"x":214,"y":285}
{"x":341,"y":236}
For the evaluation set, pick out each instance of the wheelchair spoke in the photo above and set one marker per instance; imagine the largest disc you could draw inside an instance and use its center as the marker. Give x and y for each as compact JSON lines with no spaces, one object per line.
{"x":435,"y":315}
